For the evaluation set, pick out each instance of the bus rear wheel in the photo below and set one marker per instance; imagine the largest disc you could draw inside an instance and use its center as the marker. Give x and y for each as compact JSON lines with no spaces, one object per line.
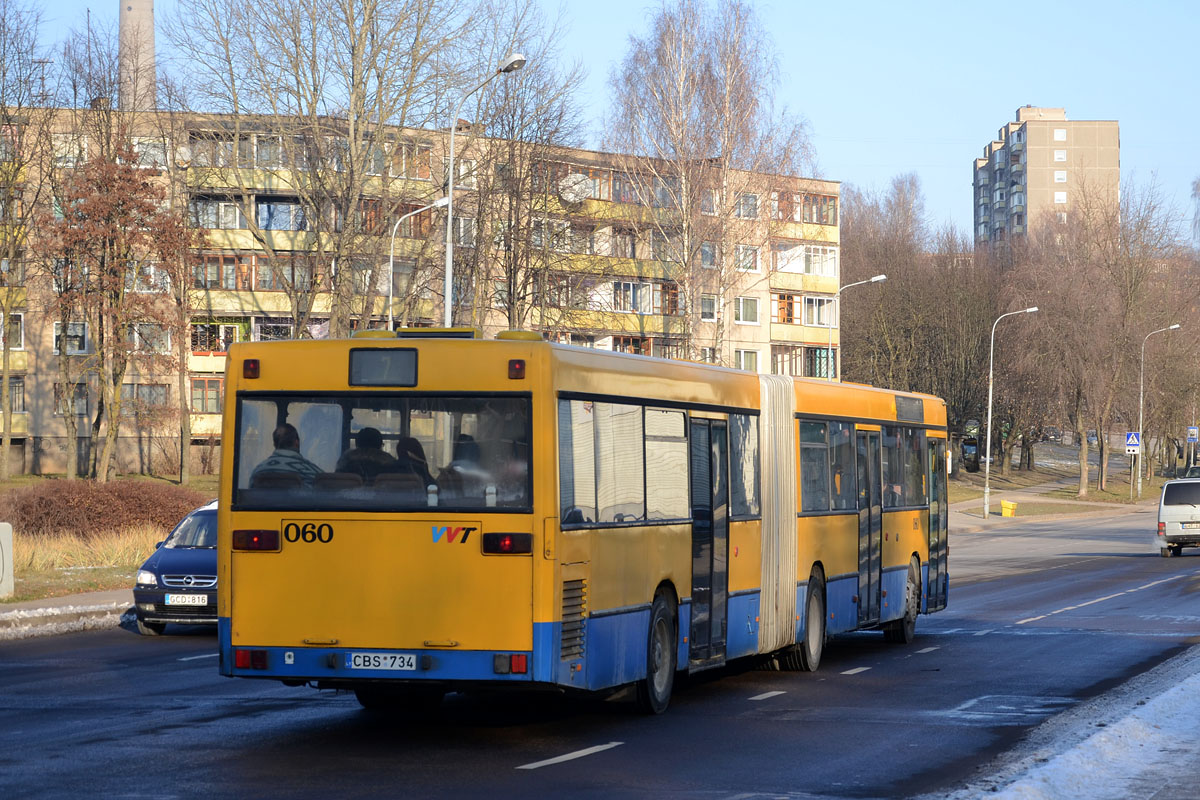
{"x":805,"y":656}
{"x":654,"y":691}
{"x":904,"y":630}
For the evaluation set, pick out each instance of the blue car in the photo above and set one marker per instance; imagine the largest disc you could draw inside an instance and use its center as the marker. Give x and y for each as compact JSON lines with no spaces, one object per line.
{"x":179,"y":582}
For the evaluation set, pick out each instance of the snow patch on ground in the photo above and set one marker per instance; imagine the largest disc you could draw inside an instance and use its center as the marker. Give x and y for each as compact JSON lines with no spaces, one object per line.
{"x":44,"y":625}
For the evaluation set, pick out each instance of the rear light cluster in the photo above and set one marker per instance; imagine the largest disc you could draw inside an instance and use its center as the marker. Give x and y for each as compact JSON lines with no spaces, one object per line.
{"x":1162,"y":529}
{"x":250,"y":659}
{"x":256,"y":540}
{"x":508,"y":544}
{"x":510,"y":663}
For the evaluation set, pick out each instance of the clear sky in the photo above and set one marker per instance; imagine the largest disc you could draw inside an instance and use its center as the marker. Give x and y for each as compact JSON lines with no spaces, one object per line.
{"x":921,"y":86}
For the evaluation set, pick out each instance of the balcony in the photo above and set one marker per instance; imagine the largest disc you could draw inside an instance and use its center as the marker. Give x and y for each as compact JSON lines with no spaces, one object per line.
{"x":999,"y":204}
{"x":1017,"y":168}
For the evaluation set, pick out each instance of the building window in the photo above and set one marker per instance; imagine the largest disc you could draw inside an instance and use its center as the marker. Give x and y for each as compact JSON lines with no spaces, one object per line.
{"x":745,"y":310}
{"x":146,"y":277}
{"x":213,"y":338}
{"x":69,"y":149}
{"x":78,"y":402}
{"x":786,"y":359}
{"x":708,"y":255}
{"x":411,"y":160}
{"x":1060,"y":176}
{"x":12,"y":272}
{"x":150,"y":151}
{"x":746,"y":256}
{"x":638,"y":345}
{"x":464,"y":231}
{"x":280,"y":215}
{"x":708,"y":202}
{"x":708,"y":308}
{"x":1060,"y":155}
{"x":1060,"y":134}
{"x":628,"y":296}
{"x":1060,"y":197}
{"x":746,"y":359}
{"x":818,"y":362}
{"x":216,"y":214}
{"x":745,"y":206}
{"x":818,"y":311}
{"x":13,"y":335}
{"x":16,"y":394}
{"x":784,"y":206}
{"x":623,"y":189}
{"x":140,"y":398}
{"x":820,"y":209}
{"x":708,"y":355}
{"x":206,"y":395}
{"x":76,"y":338}
{"x":785,"y":308}
{"x":148,"y":337}
{"x":272,"y":330}
{"x":217,"y":271}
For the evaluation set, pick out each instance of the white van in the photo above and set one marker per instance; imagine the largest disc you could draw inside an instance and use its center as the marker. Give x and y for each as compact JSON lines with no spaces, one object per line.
{"x":1179,"y":516}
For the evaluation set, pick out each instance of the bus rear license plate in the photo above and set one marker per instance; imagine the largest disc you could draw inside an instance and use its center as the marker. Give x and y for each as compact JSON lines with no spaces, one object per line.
{"x":406,"y":662}
{"x":1187,"y":526}
{"x":187,"y":599}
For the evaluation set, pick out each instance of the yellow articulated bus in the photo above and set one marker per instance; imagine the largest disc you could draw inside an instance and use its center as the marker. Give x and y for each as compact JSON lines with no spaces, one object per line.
{"x":403,"y":517}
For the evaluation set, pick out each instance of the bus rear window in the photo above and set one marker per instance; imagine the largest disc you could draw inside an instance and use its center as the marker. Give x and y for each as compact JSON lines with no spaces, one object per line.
{"x":1181,"y":494}
{"x":382,"y":452}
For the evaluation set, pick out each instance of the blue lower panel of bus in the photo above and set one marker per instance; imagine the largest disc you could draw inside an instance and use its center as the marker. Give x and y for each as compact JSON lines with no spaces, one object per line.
{"x":615,"y":647}
{"x":741,"y":637}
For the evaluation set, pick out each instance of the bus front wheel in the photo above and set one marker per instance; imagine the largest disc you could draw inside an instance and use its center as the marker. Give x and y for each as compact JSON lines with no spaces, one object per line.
{"x":654,"y":691}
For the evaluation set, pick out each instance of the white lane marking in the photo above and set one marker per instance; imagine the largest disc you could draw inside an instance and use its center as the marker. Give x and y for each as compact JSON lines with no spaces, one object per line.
{"x":766,"y":695}
{"x":855,"y":671}
{"x":206,"y":655}
{"x":983,"y":632}
{"x":571,"y":756}
{"x":1100,"y":599}
{"x":926,"y":650}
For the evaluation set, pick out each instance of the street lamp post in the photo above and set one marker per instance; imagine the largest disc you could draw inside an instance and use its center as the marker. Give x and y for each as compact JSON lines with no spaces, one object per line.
{"x":987,"y":463}
{"x":1141,"y":383}
{"x":511,"y":64}
{"x":441,"y":201}
{"x":837,"y":298}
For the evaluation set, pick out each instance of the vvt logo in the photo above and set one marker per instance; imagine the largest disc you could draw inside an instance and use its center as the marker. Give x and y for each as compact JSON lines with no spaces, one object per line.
{"x":451,"y":534}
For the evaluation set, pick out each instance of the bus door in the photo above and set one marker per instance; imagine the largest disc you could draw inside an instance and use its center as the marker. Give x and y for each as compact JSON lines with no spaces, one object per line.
{"x":939,"y":514}
{"x":710,"y":541}
{"x":870,"y":527}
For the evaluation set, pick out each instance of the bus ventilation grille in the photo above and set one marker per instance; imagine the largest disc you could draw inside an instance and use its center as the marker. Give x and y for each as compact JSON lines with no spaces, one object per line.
{"x":573,"y":610}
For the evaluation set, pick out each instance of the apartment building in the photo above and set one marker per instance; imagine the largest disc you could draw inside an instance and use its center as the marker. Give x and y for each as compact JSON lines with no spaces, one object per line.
{"x":589,"y":248}
{"x":1039,"y":165}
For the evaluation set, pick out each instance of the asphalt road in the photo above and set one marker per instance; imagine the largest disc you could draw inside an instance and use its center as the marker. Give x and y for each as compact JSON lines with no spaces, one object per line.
{"x":1042,"y":615}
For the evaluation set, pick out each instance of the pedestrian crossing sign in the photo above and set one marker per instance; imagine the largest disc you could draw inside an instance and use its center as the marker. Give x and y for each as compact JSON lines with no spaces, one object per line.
{"x":1133,"y":439}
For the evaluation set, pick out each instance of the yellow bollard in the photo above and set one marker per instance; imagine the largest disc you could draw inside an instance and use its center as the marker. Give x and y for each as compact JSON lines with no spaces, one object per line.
{"x":1008,"y":508}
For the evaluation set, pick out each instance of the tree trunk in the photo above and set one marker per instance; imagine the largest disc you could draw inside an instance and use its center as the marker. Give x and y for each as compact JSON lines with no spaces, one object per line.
{"x":6,"y":405}
{"x":1083,"y":461}
{"x":185,"y":414}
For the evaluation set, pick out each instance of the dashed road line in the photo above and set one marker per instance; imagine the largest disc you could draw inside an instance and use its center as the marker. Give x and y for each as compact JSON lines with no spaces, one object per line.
{"x":194,"y":658}
{"x":766,"y":695}
{"x":984,"y":632}
{"x":1100,"y":599}
{"x":855,"y":671}
{"x":927,"y":650}
{"x":600,"y":748}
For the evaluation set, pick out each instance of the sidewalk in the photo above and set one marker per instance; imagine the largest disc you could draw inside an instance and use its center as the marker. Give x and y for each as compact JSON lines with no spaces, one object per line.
{"x":963,"y":522}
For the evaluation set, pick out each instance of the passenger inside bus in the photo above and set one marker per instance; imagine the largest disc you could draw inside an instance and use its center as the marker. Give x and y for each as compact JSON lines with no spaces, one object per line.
{"x":410,"y":457}
{"x":367,"y":458}
{"x":464,"y":475}
{"x":286,"y":462}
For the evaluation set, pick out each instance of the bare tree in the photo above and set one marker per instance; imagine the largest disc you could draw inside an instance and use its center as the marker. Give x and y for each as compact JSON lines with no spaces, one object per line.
{"x":315,"y":99}
{"x":694,"y":113}
{"x":25,"y":137}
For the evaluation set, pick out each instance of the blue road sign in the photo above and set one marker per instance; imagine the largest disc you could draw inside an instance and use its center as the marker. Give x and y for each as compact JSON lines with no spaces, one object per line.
{"x":1193,"y":435}
{"x":1133,"y":439}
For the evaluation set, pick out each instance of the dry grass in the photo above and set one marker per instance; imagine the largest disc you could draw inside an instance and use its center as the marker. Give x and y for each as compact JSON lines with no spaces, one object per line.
{"x":126,"y":548}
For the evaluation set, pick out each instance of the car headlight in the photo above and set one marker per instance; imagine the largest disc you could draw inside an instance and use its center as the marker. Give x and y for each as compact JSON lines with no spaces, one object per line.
{"x":146,"y":578}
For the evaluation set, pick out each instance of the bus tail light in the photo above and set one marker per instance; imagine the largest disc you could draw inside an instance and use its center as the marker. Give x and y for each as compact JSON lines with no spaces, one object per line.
{"x":508,"y":544}
{"x":250,"y":368}
{"x":250,"y":659}
{"x":510,"y":663}
{"x":1162,"y":529}
{"x":516,"y":369}
{"x":256,"y":540}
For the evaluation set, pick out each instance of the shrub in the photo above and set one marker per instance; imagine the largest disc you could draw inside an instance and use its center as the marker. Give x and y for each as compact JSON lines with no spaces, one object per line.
{"x":85,"y":509}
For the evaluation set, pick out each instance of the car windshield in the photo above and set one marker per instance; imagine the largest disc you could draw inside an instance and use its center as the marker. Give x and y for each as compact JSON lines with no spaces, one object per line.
{"x":1181,"y":494}
{"x":1192,"y":472}
{"x":383,"y":451}
{"x":197,"y":530}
